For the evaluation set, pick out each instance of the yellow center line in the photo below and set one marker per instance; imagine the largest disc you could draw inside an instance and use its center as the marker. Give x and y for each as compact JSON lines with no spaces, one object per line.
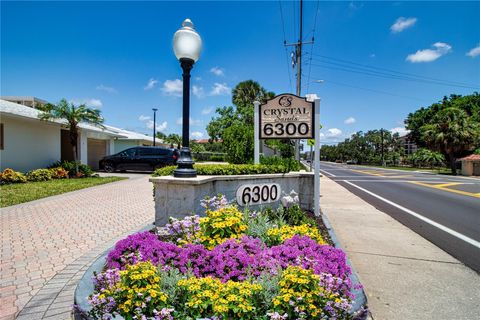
{"x":444,"y":188}
{"x":368,"y":172}
{"x":443,"y":185}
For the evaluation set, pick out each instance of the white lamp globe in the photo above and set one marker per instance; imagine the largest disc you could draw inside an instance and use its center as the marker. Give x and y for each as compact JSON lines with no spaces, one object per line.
{"x":187,"y":43}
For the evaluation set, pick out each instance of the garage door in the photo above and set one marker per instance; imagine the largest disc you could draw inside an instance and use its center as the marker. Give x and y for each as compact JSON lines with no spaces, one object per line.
{"x":97,"y":149}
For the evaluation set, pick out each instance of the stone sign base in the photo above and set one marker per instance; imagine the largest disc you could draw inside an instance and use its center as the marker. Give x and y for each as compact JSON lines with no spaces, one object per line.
{"x":180,"y":197}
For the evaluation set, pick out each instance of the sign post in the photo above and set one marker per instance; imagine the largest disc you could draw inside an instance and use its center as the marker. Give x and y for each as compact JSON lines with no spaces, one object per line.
{"x":316,"y":183}
{"x":288,"y":116}
{"x":256,"y":127}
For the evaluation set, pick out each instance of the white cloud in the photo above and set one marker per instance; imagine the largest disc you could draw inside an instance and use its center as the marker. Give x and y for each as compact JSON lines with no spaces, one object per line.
{"x":151,"y":84}
{"x":217,"y":71}
{"x":198,"y":91}
{"x":159,"y":126}
{"x":350,"y":120}
{"x":402,"y":23}
{"x":220,"y":89}
{"x":333,"y":133}
{"x":400,"y":130}
{"x":198,"y":78}
{"x":144,"y":118}
{"x":474,"y":52}
{"x":106,"y":89}
{"x":92,"y":103}
{"x":354,"y":6}
{"x":207,"y":110}
{"x":193,"y":122}
{"x":173,"y":87}
{"x":429,"y":55}
{"x":372,"y":55}
{"x":196,"y":134}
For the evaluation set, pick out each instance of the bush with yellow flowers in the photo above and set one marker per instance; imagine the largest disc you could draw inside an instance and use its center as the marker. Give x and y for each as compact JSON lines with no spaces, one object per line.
{"x":305,"y":295}
{"x":220,"y":225}
{"x":133,"y":292}
{"x":229,"y":300}
{"x":279,"y":235}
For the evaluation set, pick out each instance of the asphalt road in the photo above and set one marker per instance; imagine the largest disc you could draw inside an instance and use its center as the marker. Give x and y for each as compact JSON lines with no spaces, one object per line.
{"x":443,"y":209}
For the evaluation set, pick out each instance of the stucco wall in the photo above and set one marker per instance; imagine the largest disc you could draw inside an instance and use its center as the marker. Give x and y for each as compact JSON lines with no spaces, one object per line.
{"x":180,"y":197}
{"x":29,"y":144}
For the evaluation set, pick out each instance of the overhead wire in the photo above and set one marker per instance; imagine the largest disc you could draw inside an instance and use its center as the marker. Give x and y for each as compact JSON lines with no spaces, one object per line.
{"x":348,"y":66}
{"x":284,"y":41}
{"x":311,"y":47}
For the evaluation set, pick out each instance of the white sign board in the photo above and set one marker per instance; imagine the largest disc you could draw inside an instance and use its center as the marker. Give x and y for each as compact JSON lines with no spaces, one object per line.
{"x":254,"y":194}
{"x":287,"y":116}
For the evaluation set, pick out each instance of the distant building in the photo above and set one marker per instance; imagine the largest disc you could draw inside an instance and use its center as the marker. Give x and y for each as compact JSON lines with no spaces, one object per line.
{"x":409,"y":146}
{"x":471,"y":165}
{"x":205,"y":141}
{"x":28,"y":143}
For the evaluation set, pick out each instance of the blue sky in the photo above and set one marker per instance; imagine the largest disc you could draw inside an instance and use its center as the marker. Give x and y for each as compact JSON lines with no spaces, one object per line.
{"x":118,"y":56}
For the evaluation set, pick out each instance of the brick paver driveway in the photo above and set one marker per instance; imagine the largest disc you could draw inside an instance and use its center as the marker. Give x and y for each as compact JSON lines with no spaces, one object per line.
{"x":47,"y":244}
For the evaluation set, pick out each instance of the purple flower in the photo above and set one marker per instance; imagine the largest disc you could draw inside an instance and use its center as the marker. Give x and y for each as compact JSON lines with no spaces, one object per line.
{"x":143,"y":246}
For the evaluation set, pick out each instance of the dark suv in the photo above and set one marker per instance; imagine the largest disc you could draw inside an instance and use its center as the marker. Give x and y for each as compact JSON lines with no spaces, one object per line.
{"x":140,"y":158}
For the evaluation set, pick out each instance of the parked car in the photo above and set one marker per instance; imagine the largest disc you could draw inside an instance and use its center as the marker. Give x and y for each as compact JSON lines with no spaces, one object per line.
{"x":140,"y":158}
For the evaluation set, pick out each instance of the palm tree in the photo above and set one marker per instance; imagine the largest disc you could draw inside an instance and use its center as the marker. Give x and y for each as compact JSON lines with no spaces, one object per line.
{"x":245,"y":93}
{"x":451,"y":133}
{"x":73,"y":115}
{"x":174,"y":139}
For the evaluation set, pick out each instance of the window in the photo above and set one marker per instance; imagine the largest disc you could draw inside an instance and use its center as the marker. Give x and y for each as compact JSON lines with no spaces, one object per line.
{"x":129,"y":152}
{"x":1,"y":136}
{"x":146,"y":152}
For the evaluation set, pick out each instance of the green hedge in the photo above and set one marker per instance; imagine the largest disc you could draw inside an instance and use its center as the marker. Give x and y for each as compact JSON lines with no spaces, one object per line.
{"x":226,"y":169}
{"x":290,"y":163}
{"x":208,"y":156}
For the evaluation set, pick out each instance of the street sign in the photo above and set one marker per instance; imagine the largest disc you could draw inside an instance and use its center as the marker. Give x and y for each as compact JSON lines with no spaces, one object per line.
{"x":287,"y":116}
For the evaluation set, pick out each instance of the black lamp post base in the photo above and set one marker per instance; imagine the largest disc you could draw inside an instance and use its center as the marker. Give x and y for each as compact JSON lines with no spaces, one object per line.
{"x":185,"y":165}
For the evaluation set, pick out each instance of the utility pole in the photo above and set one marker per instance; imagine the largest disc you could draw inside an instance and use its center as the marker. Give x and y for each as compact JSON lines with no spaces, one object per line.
{"x":154,"y":124}
{"x":298,"y":62}
{"x":383,"y":158}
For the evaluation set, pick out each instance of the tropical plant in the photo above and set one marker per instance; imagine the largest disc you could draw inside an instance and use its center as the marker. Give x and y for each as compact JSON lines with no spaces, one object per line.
{"x":426,"y":158}
{"x":451,"y":126}
{"x":39,"y":175}
{"x":451,"y":132}
{"x":73,"y":115}
{"x":174,"y":139}
{"x":11,"y":176}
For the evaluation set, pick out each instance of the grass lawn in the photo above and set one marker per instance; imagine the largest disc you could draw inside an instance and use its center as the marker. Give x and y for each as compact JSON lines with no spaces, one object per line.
{"x":16,"y":193}
{"x":435,"y":170}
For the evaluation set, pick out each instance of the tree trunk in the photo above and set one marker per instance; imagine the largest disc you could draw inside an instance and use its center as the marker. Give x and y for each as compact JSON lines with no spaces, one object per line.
{"x":73,"y":142}
{"x":453,"y":166}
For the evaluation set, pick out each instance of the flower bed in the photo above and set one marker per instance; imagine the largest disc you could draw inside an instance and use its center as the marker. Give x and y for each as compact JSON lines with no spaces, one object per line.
{"x":227,"y":265}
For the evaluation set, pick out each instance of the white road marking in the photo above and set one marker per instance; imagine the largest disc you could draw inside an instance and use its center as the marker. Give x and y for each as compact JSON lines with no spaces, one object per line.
{"x":454,"y":233}
{"x":328,"y":173}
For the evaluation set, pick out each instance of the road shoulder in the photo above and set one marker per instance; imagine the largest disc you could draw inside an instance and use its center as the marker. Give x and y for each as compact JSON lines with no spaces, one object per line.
{"x":404,"y":275}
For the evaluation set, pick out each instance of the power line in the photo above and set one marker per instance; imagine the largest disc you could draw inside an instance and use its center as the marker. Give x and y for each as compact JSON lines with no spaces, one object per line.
{"x":284,"y":41}
{"x":311,"y":47}
{"x":389,"y":72}
{"x":385,"y":75}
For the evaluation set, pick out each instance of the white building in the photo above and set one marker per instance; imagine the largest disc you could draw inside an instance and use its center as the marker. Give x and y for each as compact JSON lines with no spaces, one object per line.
{"x":28,"y":143}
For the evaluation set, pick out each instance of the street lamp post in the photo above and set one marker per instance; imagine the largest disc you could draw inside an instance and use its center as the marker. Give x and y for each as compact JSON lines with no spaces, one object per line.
{"x":187,"y":46}
{"x":154,"y":124}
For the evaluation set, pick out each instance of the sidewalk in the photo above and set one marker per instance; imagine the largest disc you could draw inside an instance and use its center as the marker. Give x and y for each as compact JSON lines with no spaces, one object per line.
{"x":404,"y":275}
{"x":48,"y":243}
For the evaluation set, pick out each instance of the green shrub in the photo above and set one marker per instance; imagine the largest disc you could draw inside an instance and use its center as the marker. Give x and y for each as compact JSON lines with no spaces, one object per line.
{"x":39,"y":175}
{"x":293,"y":216}
{"x":226,"y":169}
{"x":208,"y":156}
{"x":12,"y":176}
{"x":290,"y":163}
{"x":83,"y":169}
{"x":59,"y":173}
